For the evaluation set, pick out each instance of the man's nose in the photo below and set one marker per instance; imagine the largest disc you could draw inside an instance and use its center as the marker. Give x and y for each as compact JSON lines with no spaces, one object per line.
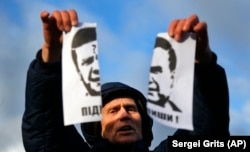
{"x":123,"y":114}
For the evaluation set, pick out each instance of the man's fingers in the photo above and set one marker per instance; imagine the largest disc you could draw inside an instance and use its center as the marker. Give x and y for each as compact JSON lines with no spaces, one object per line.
{"x":172,"y":27}
{"x":59,"y":21}
{"x":191,"y":21}
{"x":179,"y":30}
{"x":73,"y":17}
{"x":66,"y":21}
{"x":201,"y":26}
{"x":201,"y":30}
{"x":44,"y":15}
{"x":176,"y":29}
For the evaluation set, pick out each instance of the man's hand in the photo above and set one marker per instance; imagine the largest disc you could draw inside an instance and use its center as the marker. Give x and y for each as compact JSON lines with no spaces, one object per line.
{"x":53,"y":26}
{"x":178,"y":27}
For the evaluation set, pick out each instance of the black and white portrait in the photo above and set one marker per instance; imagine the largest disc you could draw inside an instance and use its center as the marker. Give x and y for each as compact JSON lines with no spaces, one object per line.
{"x":85,"y":58}
{"x":162,"y":74}
{"x":81,"y":75}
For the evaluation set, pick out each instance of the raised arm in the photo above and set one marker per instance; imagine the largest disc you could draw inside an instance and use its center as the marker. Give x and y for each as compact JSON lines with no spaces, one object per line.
{"x":211,"y":99}
{"x":53,"y":26}
{"x":42,"y":125}
{"x":192,"y":24}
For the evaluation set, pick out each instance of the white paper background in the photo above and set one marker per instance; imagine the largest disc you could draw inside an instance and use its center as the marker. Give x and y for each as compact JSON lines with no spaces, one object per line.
{"x":182,"y":92}
{"x":74,"y":92}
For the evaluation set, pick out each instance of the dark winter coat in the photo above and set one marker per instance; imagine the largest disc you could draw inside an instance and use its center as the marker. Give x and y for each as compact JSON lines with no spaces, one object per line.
{"x":42,"y":124}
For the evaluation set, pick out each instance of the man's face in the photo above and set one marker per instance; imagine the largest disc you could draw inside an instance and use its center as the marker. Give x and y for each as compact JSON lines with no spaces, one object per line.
{"x":160,"y":76}
{"x":121,"y":121}
{"x":88,"y":65}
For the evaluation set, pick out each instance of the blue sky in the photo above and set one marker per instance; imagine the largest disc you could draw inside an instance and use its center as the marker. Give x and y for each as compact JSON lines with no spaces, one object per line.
{"x":126,"y":34}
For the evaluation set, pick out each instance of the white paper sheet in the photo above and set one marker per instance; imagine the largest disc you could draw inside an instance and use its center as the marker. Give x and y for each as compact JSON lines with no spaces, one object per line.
{"x":170,"y":92}
{"x":80,"y":74}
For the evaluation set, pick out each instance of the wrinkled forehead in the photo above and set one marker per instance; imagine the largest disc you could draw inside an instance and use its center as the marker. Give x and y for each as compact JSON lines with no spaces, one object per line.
{"x":121,"y":101}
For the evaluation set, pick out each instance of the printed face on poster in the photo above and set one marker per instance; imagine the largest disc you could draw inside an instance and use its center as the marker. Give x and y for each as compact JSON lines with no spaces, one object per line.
{"x":170,"y":84}
{"x":171,"y":81}
{"x":81,"y":76}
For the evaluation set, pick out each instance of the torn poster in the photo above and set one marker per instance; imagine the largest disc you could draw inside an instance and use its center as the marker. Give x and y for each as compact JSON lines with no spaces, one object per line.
{"x":80,"y":74}
{"x":170,"y":90}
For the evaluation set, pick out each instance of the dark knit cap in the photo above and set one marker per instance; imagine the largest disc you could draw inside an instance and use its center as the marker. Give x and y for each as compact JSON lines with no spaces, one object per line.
{"x":110,"y":91}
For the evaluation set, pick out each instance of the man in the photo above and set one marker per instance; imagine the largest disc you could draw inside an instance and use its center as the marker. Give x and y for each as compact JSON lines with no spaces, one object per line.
{"x":125,"y":125}
{"x":124,"y":121}
{"x":162,"y":70}
{"x":84,"y":56}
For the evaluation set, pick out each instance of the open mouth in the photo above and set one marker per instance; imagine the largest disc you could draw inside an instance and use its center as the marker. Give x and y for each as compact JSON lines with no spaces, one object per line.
{"x":126,"y":129}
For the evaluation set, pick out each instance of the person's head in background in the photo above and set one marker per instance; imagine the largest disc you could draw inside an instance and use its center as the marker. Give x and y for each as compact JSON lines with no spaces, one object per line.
{"x":124,"y":117}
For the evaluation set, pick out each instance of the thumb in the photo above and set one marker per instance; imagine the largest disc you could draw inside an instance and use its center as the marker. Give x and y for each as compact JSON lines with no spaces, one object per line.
{"x":44,"y":15}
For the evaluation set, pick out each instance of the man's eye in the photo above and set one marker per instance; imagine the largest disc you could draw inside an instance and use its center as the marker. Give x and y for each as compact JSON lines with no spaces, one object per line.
{"x":133,"y":109}
{"x":112,"y":110}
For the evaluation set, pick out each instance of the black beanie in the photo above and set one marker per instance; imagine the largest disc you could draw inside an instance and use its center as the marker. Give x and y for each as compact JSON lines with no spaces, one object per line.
{"x":110,"y":91}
